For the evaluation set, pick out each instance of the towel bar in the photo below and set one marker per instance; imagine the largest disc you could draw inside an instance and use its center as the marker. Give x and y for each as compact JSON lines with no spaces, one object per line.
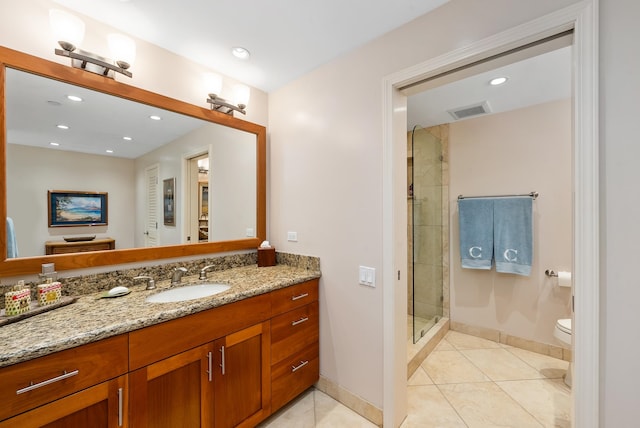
{"x":534,"y":195}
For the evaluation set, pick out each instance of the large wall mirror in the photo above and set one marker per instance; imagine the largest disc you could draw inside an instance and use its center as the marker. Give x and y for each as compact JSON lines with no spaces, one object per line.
{"x":190,"y":183}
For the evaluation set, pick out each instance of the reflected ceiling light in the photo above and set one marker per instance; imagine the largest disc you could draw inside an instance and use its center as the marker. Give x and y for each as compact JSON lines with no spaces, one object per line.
{"x":54,"y":144}
{"x":127,"y":138}
{"x":62,"y":126}
{"x":498,"y":81}
{"x":154,"y":117}
{"x":241,"y":93}
{"x":69,"y":33}
{"x":74,"y":98}
{"x":109,"y":151}
{"x":240,"y":52}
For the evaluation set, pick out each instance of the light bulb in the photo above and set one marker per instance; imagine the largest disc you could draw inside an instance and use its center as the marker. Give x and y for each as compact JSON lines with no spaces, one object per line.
{"x":123,"y":49}
{"x":213,"y":84}
{"x":68,"y":29}
{"x":242,"y":93}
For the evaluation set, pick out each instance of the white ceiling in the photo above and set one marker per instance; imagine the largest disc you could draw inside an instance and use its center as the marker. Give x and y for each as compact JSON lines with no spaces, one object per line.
{"x":535,"y":80}
{"x":286,"y":38}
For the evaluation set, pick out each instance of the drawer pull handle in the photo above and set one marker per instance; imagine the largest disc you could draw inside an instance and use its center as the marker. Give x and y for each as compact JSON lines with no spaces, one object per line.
{"x":301,"y":296}
{"x":222,"y":364}
{"x":299,"y":366}
{"x":209,"y":364}
{"x":119,"y":407}
{"x":33,"y":386}
{"x":300,"y":321}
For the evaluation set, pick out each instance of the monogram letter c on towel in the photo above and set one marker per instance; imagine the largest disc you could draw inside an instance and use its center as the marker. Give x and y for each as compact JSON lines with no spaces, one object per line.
{"x":479,"y":253}
{"x":507,"y":255}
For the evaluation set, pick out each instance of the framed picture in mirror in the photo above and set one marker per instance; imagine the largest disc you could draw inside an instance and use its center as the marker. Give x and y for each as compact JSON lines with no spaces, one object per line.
{"x":168,"y":197}
{"x":76,"y":208}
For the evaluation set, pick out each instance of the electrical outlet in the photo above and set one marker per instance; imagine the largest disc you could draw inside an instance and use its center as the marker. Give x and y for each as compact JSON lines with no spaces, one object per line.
{"x":250,"y":231}
{"x":292,"y":236}
{"x":367,"y":276}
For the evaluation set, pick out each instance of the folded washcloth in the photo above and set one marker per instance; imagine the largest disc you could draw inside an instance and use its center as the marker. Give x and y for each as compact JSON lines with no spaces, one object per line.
{"x":513,"y":235}
{"x":476,"y":232}
{"x":12,"y":245}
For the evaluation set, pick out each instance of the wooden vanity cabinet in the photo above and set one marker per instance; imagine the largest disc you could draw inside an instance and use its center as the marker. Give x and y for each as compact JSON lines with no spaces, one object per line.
{"x":242,"y":377}
{"x":221,"y":380}
{"x":100,"y":406}
{"x":295,"y":358}
{"x":174,"y":392}
{"x":230,"y":366}
{"x":86,"y":383}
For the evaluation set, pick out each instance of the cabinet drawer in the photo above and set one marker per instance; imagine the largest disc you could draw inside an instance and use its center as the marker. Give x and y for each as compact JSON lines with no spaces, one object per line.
{"x":288,"y":298}
{"x":293,"y":375}
{"x":294,"y":331}
{"x":42,"y":380}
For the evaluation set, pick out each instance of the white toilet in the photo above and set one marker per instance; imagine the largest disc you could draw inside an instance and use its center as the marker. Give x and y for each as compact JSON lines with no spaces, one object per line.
{"x":562,"y":332}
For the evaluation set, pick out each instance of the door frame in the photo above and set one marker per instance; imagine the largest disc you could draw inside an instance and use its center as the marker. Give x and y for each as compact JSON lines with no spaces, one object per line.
{"x":582,"y":17}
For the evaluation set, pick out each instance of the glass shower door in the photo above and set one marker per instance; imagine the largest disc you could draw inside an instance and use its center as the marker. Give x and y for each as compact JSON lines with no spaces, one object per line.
{"x":426,"y":223}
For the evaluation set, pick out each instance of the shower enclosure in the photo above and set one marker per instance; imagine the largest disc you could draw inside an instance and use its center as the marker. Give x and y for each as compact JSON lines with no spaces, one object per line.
{"x":428,"y":228}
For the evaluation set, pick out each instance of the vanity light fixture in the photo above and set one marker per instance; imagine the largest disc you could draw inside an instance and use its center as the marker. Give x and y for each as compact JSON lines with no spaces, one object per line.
{"x":213,"y":84}
{"x":69,"y":32}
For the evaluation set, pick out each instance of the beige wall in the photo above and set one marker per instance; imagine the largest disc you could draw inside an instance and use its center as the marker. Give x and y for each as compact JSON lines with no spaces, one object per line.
{"x":620,"y":211}
{"x":515,"y":152}
{"x":28,"y":186}
{"x":24,"y":26}
{"x":326,"y":177}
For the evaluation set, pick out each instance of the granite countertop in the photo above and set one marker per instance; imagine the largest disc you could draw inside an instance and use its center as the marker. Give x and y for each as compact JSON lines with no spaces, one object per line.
{"x":90,"y":318}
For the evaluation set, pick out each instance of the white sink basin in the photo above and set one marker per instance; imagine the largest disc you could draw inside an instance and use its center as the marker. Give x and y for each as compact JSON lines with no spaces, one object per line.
{"x":187,"y":292}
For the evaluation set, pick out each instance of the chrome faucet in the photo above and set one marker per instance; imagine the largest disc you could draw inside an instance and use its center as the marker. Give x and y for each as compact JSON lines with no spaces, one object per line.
{"x":203,"y":272}
{"x":177,"y":275}
{"x":151,"y":284}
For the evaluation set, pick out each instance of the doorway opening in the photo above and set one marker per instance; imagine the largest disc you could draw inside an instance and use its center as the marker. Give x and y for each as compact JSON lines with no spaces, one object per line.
{"x":197,"y":212}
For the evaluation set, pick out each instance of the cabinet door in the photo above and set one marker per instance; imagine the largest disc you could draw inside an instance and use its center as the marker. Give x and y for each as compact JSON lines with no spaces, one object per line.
{"x":242,"y":377}
{"x":100,"y":406}
{"x":174,"y":392}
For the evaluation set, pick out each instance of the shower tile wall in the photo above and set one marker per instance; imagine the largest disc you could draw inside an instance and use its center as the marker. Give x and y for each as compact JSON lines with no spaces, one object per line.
{"x":431,"y":222}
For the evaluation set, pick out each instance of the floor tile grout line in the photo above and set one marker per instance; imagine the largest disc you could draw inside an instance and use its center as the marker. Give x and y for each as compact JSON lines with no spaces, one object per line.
{"x":520,"y":404}
{"x":452,"y":406}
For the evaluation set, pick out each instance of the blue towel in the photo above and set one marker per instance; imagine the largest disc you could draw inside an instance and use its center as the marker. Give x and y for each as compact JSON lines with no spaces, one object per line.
{"x":513,"y":235}
{"x":476,"y":233}
{"x":12,"y":245}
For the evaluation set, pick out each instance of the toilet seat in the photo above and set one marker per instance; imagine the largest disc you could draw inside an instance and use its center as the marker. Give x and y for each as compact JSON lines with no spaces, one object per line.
{"x":564,"y":325}
{"x":562,"y":331}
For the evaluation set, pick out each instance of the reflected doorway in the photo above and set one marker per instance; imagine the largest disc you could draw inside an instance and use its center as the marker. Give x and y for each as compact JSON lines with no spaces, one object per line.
{"x":198,"y":199}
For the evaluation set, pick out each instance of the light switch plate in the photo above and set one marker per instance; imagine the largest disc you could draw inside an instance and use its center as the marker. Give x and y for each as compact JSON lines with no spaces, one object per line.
{"x":292,"y":236}
{"x":367,"y":276}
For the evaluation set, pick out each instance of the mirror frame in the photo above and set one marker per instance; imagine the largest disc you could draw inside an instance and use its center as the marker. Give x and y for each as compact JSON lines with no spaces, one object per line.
{"x":31,"y":265}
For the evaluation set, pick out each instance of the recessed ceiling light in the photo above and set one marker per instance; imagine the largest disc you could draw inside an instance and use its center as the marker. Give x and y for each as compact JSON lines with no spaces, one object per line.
{"x":154,"y":117}
{"x":240,"y":52}
{"x":109,"y":151}
{"x":62,"y":126}
{"x":54,"y":144}
{"x":74,"y":98}
{"x":498,"y":81}
{"x":127,"y":138}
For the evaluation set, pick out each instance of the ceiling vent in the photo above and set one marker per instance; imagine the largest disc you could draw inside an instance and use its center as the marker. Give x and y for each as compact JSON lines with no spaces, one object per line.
{"x":470,"y":111}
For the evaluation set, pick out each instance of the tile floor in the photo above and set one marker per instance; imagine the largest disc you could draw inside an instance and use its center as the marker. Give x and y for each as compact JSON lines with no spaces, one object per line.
{"x":465,"y":382}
